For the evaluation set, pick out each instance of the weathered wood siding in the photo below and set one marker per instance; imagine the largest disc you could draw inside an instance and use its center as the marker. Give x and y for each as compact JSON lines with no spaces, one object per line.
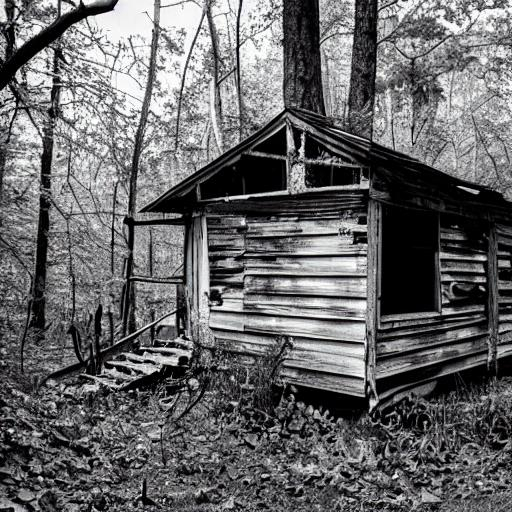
{"x":434,"y":344}
{"x":504,"y":239}
{"x":301,"y":273}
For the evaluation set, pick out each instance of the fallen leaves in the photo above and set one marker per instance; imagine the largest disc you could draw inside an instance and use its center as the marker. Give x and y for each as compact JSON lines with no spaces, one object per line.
{"x":92,"y":453}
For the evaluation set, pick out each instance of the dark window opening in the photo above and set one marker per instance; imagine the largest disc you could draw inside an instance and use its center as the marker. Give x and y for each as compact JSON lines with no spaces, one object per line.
{"x":410,"y":245}
{"x":505,"y":274}
{"x":329,"y":170}
{"x":275,"y":144}
{"x":504,"y":277}
{"x":263,"y":175}
{"x":227,"y":182}
{"x":250,"y":175}
{"x":328,"y":176}
{"x":315,"y":150}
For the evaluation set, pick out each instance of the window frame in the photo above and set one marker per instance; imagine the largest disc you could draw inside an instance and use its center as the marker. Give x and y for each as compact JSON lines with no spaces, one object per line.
{"x":434,"y":313}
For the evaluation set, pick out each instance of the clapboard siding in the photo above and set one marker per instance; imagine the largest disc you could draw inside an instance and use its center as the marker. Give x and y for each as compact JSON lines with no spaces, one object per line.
{"x":504,"y":238}
{"x":454,"y":337}
{"x":301,"y":273}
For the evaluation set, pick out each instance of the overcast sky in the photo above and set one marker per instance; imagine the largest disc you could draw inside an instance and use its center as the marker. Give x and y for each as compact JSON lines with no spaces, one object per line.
{"x":129,"y":17}
{"x":134,"y":17}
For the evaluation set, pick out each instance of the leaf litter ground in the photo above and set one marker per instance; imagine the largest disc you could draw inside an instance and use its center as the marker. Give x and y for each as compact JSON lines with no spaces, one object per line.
{"x":75,"y":447}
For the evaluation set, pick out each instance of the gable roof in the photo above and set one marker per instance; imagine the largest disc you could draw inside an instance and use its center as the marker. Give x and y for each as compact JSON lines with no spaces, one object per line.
{"x":361,"y":151}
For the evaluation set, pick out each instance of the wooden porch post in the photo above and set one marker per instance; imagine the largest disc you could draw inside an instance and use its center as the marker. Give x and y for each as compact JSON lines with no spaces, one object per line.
{"x":189,"y":276}
{"x":198,"y":282}
{"x":492,"y":296}
{"x":127,"y":305}
{"x":372,"y":294}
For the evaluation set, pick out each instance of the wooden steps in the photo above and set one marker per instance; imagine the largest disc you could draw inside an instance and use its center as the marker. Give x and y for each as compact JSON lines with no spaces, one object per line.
{"x":145,"y":365}
{"x":181,"y":343}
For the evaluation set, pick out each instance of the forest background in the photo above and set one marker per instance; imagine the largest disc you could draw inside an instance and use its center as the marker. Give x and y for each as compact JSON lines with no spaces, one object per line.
{"x":127,"y":103}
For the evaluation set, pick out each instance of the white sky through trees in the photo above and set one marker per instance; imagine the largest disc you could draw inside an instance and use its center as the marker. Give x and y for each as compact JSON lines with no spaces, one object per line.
{"x":132,"y":17}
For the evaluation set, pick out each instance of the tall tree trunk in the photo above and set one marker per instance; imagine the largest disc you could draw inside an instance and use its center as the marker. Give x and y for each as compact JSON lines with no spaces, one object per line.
{"x":302,"y":84}
{"x":238,"y":68}
{"x":327,"y":85}
{"x":184,"y":75}
{"x":9,"y":33}
{"x":129,"y":322}
{"x":38,"y":321}
{"x":3,"y":161}
{"x":361,"y":97}
{"x":215,"y":97}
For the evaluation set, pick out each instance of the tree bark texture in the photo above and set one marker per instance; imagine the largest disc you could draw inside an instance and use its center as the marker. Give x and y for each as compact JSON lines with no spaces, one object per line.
{"x":302,"y":84}
{"x":238,"y":76}
{"x":38,"y":321}
{"x":215,"y":97}
{"x":184,"y":74}
{"x":50,"y":34}
{"x":361,"y":97}
{"x":129,"y":322}
{"x":9,"y":33}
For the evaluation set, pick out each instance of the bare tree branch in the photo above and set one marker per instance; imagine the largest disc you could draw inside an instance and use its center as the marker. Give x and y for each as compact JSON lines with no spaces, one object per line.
{"x":386,"y":6}
{"x":334,"y":34}
{"x":49,"y":34}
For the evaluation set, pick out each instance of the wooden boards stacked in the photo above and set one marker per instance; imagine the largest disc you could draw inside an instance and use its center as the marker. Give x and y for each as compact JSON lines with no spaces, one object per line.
{"x":300,"y":274}
{"x":504,"y":239}
{"x":145,"y":366}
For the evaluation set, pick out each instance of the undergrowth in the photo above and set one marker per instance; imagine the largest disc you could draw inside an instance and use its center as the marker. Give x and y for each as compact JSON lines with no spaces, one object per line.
{"x":239,"y":383}
{"x":235,"y":438}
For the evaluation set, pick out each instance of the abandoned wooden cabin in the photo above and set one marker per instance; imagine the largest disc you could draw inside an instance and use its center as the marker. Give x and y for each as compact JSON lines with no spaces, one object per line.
{"x":387,"y":273}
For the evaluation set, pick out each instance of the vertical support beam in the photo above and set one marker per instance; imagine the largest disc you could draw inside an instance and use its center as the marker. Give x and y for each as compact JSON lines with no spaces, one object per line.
{"x":372,"y":297}
{"x":291,"y":153}
{"x":297,"y":170}
{"x":150,"y":265}
{"x":492,"y":297}
{"x":437,"y":270}
{"x":198,"y":285}
{"x":181,"y":305}
{"x":128,"y":273}
{"x":189,"y":275}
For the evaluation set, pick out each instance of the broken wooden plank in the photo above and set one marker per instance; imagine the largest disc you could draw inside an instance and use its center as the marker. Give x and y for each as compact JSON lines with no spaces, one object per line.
{"x":117,"y":375}
{"x":178,"y":343}
{"x":158,"y":359}
{"x":434,"y":372}
{"x":431,"y":356}
{"x":100,"y":379}
{"x":157,"y":280}
{"x":146,"y":369}
{"x":323,"y":381}
{"x":182,"y":350}
{"x":418,"y":341}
